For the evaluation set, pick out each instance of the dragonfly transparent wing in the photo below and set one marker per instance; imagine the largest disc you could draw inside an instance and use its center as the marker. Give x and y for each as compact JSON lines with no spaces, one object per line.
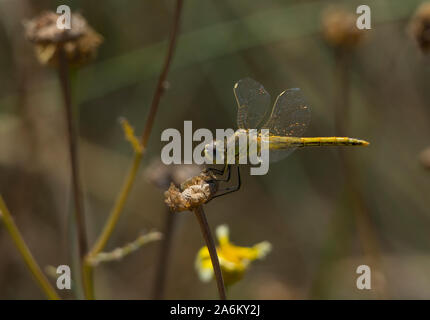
{"x":290,"y":117}
{"x":253,"y":102}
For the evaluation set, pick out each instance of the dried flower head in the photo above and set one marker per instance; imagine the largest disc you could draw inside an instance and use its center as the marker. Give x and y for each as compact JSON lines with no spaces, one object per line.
{"x":339,"y":28}
{"x":419,"y":27}
{"x":79,"y":43}
{"x":234,"y":260}
{"x":192,"y":193}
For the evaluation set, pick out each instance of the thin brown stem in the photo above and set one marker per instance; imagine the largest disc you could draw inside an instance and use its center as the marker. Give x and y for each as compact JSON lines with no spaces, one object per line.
{"x":72,"y":135}
{"x":342,"y":95}
{"x":361,"y":210}
{"x":163,"y":75}
{"x":131,"y":176}
{"x":163,"y":258}
{"x":210,"y":243}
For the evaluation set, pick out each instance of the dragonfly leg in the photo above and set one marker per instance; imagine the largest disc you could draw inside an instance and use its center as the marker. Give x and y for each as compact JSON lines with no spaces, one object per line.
{"x":230,"y":189}
{"x":214,"y":170}
{"x":227,"y":168}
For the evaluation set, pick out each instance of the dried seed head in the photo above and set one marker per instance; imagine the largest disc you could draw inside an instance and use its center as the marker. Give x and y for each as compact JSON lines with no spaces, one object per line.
{"x":194,"y":192}
{"x":419,"y":27}
{"x":340,"y":30}
{"x":43,"y":29}
{"x":79,"y":43}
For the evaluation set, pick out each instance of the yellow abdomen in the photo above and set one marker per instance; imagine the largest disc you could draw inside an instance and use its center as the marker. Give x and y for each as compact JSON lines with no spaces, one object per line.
{"x":278,"y":142}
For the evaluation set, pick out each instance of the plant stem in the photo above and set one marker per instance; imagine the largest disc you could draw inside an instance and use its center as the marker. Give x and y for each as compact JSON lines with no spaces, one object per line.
{"x":88,"y":279}
{"x":163,"y":75}
{"x":361,"y":210}
{"x":163,"y":258}
{"x":342,"y":95}
{"x":121,"y":252}
{"x":63,"y":72}
{"x":210,"y":243}
{"x":72,"y":135}
{"x":131,"y":177}
{"x":109,"y":227}
{"x":118,"y":207}
{"x":23,"y":249}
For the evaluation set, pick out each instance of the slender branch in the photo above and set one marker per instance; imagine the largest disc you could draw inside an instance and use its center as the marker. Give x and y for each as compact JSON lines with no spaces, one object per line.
{"x":120,"y":252}
{"x":163,"y":258}
{"x":342,"y":94}
{"x":210,"y":243}
{"x":118,"y":207}
{"x":131,"y":177}
{"x":63,"y":72}
{"x":365,"y":228}
{"x":23,"y":249}
{"x":88,"y":279}
{"x":163,"y":76}
{"x":109,"y":227}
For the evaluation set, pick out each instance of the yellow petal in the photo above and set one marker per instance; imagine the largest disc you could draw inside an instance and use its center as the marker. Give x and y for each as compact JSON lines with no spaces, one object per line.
{"x":263,"y":248}
{"x":222,"y":234}
{"x":203,"y":265}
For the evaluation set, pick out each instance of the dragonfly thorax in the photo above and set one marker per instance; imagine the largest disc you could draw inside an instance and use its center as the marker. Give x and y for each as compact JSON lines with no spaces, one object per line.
{"x":234,"y":147}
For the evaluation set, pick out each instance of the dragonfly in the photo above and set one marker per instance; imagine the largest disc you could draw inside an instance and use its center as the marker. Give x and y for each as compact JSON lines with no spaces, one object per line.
{"x":286,"y":121}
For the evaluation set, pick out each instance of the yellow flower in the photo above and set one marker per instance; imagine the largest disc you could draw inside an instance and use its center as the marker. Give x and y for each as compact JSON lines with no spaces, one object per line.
{"x":234,"y":260}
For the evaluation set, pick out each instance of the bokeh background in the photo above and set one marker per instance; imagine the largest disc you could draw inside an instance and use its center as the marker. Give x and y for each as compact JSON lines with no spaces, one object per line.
{"x":322,"y":221}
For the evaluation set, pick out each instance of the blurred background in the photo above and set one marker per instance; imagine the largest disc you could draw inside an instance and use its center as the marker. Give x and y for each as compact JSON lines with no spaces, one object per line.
{"x":326,"y":211}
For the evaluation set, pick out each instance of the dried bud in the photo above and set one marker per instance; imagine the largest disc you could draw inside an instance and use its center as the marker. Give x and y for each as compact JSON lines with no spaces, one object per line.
{"x":79,"y":43}
{"x":194,"y":192}
{"x":419,"y":27}
{"x":340,"y":30}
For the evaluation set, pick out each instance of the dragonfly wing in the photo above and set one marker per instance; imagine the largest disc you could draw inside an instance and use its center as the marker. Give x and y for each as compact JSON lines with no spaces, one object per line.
{"x":253,"y":102}
{"x":290,"y":117}
{"x":277,"y":155}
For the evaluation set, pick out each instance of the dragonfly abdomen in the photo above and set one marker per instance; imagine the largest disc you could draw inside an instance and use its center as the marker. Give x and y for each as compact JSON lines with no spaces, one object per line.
{"x":279,"y":142}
